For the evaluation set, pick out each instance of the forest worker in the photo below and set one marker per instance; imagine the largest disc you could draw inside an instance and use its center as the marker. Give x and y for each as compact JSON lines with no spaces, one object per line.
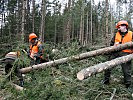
{"x":35,"y":49}
{"x":122,"y":36}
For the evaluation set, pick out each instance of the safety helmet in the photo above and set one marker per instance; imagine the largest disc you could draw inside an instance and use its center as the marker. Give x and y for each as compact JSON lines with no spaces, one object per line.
{"x":121,"y":22}
{"x":32,"y":36}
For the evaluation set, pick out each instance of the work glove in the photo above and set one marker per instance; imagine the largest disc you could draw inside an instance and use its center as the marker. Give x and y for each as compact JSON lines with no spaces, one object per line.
{"x":36,"y":57}
{"x":117,"y":43}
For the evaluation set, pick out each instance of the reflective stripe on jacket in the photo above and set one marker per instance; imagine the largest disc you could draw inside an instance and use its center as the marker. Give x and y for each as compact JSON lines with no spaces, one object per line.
{"x":126,"y":38}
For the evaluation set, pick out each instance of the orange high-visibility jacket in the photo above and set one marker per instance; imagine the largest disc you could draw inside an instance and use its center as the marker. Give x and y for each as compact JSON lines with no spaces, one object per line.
{"x":34,"y":49}
{"x":127,"y":38}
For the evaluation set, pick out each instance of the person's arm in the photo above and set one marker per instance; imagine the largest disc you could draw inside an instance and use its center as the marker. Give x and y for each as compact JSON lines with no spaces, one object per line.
{"x":112,"y":40}
{"x":40,"y":50}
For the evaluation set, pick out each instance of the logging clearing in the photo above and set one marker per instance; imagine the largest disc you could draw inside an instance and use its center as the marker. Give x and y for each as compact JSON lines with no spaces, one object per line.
{"x":54,"y":40}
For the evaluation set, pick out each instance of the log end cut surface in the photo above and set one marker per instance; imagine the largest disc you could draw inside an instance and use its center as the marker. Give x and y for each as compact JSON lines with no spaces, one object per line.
{"x":80,"y":76}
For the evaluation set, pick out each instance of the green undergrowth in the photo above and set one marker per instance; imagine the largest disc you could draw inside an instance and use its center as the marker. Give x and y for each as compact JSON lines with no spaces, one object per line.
{"x":61,"y":83}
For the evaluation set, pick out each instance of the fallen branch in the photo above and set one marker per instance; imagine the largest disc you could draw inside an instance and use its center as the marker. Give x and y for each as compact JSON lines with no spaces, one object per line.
{"x":78,"y":57}
{"x":98,"y":95}
{"x":111,"y":98}
{"x":17,"y":87}
{"x":87,"y":72}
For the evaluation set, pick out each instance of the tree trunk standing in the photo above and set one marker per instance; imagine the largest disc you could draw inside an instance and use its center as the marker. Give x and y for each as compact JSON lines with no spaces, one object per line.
{"x":33,"y":15}
{"x":87,"y":28}
{"x":119,"y":10}
{"x":17,"y":18}
{"x":111,"y":27}
{"x":68,"y":25}
{"x":78,"y":57}
{"x":90,"y":36}
{"x":23,"y":21}
{"x":106,"y":33}
{"x":43,"y":8}
{"x":27,"y":19}
{"x":92,"y":70}
{"x":83,"y":26}
{"x":19,"y":14}
{"x":1,"y":28}
{"x":81,"y":35}
{"x":1,"y":21}
{"x":72,"y":16}
{"x":55,"y":23}
{"x":130,"y":10}
{"x":81,"y":30}
{"x":73,"y":28}
{"x":55,"y":30}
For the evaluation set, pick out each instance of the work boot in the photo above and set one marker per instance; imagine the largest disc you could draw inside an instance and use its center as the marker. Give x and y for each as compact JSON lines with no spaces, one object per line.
{"x":105,"y":81}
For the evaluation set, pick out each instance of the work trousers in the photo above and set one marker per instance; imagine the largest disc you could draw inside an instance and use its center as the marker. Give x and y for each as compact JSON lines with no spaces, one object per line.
{"x":126,"y":69}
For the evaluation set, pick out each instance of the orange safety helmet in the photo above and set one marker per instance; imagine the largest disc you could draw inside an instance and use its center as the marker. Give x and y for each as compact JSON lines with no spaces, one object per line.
{"x":32,"y":36}
{"x":122,"y":22}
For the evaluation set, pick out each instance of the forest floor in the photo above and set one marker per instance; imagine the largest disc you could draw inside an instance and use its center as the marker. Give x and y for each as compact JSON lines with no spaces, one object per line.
{"x":61,"y":83}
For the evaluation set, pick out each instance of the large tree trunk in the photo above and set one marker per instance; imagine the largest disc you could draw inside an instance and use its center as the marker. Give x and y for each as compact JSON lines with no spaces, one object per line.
{"x":81,"y":35}
{"x":23,"y":21}
{"x":78,"y":57}
{"x":91,"y":26}
{"x":43,"y":8}
{"x":87,"y":72}
{"x":68,"y":25}
{"x":106,"y":35}
{"x":87,"y":28}
{"x":33,"y":16}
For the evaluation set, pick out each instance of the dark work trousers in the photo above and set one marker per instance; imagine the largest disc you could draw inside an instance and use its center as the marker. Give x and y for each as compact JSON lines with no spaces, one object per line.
{"x":8,"y":68}
{"x":35,"y":62}
{"x":126,"y":68}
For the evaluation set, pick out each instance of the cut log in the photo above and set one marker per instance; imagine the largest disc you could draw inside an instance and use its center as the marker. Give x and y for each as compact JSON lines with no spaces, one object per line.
{"x":17,"y":87}
{"x":92,"y":70}
{"x":78,"y":57}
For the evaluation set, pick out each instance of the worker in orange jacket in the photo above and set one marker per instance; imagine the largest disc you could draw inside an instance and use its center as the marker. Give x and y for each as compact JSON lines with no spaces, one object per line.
{"x":35,"y":49}
{"x":121,"y":37}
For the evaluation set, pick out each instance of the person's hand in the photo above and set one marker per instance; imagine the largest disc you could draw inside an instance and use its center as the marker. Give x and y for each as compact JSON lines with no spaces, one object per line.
{"x":34,"y":58}
{"x":117,"y":43}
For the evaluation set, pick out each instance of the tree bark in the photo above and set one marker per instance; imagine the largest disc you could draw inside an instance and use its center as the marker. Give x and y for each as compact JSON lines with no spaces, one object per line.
{"x":87,"y":28}
{"x":23,"y":21}
{"x":107,"y":14}
{"x":78,"y":57}
{"x":33,"y":15}
{"x":81,"y":35}
{"x":87,"y":72}
{"x":17,"y":87}
{"x":68,"y":25}
{"x":43,"y":8}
